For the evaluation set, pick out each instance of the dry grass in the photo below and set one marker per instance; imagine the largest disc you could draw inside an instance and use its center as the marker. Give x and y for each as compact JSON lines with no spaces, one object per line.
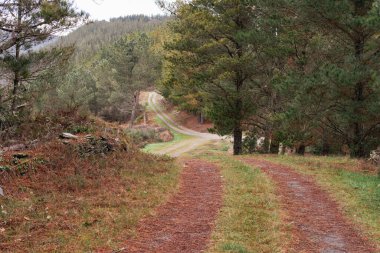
{"x":57,"y":201}
{"x":44,"y":128}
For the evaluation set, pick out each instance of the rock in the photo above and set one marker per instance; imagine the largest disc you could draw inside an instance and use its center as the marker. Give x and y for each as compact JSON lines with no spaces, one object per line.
{"x":16,"y":147}
{"x":68,"y":136}
{"x":166,"y":136}
{"x":374,"y":157}
{"x":281,"y":150}
{"x":89,"y":137}
{"x":97,"y":145}
{"x":160,"y":129}
{"x":4,"y":168}
{"x":141,"y":127}
{"x":66,"y":142}
{"x":20,"y":156}
{"x":289,"y":151}
{"x":1,"y":192}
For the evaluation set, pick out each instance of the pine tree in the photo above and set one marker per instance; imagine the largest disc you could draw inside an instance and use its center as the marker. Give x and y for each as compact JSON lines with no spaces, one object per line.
{"x":25,"y":24}
{"x":346,"y":83}
{"x":219,"y":47}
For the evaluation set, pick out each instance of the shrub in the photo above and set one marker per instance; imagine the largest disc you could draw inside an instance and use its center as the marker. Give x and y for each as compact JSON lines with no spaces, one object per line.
{"x":249,"y":143}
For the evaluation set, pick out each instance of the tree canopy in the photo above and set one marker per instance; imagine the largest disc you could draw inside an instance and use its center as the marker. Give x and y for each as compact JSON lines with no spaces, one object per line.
{"x":298,"y":72}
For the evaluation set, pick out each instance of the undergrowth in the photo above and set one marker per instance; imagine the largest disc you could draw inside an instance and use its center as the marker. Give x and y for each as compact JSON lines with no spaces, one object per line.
{"x":63,"y":202}
{"x":44,"y":128}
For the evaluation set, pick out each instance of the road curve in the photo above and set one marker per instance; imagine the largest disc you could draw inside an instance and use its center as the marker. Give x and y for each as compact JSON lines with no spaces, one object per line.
{"x":153,"y":102}
{"x":183,"y":147}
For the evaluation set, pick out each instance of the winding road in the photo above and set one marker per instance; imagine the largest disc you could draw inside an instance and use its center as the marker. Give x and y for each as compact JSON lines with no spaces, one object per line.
{"x":314,"y":220}
{"x":195,"y":140}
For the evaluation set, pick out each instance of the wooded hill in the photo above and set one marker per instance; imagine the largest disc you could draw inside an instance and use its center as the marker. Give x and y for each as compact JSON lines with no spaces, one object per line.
{"x":97,"y":69}
{"x":93,"y":36}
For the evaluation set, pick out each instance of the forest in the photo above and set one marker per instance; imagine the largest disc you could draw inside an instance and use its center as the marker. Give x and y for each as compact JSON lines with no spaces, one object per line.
{"x":299,"y":73}
{"x":303,"y":73}
{"x":233,"y":126}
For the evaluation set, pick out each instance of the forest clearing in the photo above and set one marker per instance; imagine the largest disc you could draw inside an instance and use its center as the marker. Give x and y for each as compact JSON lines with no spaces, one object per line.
{"x":199,"y":126}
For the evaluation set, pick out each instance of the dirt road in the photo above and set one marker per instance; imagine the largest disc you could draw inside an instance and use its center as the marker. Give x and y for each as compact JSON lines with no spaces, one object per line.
{"x":316,"y":221}
{"x":184,"y":224}
{"x":196,"y":138}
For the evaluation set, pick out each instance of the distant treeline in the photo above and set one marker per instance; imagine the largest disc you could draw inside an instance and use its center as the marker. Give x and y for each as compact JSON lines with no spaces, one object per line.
{"x":93,"y":36}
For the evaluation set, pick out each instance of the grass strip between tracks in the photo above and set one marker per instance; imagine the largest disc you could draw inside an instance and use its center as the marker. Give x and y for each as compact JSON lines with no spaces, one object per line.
{"x":249,"y":220}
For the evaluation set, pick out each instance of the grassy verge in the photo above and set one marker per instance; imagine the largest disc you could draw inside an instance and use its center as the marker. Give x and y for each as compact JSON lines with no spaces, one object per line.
{"x":155,"y":147}
{"x":249,"y":220}
{"x":353,"y":185}
{"x":64,"y":203}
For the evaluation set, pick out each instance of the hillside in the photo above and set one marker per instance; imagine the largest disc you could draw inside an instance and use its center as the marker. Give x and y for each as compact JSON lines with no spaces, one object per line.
{"x":93,"y":36}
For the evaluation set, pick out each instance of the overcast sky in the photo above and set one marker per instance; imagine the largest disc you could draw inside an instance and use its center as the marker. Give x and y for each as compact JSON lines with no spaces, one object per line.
{"x":106,"y":9}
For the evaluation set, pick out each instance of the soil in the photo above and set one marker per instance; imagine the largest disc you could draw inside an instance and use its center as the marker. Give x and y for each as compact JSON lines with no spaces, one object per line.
{"x":190,"y":121}
{"x":183,"y":118}
{"x":184,"y":224}
{"x":186,"y":119}
{"x":316,"y":221}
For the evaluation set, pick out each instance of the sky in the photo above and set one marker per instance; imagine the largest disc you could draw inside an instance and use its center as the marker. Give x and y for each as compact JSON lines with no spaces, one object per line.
{"x":106,"y":9}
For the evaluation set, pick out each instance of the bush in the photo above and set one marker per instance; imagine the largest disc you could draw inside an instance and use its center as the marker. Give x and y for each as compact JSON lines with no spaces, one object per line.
{"x":142,"y":135}
{"x":249,"y":143}
{"x":80,"y":129}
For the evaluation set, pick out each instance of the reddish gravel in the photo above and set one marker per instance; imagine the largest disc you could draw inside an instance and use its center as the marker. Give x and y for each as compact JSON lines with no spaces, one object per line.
{"x":184,"y":224}
{"x":316,"y":221}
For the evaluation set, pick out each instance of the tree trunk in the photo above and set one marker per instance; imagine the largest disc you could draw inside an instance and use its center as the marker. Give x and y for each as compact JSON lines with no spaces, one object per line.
{"x":301,"y":149}
{"x":325,"y":148}
{"x":358,"y":146}
{"x":267,"y":141}
{"x":325,"y":144}
{"x":238,"y":112}
{"x":201,"y":119}
{"x":16,"y":80}
{"x":136,"y":97}
{"x":270,"y":144}
{"x":238,"y":140}
{"x":145,"y":117}
{"x":237,"y":131}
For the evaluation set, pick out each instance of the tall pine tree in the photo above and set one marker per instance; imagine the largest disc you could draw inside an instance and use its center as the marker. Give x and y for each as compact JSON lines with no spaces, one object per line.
{"x":220,"y":48}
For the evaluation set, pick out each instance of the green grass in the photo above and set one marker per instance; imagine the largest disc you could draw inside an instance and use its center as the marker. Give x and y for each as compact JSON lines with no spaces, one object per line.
{"x":156,"y":147}
{"x":357,"y":193}
{"x":249,"y":220}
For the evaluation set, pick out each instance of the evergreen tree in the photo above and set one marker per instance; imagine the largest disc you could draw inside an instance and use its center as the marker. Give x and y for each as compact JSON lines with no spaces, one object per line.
{"x":345,"y":85}
{"x":25,"y":24}
{"x":219,"y":47}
